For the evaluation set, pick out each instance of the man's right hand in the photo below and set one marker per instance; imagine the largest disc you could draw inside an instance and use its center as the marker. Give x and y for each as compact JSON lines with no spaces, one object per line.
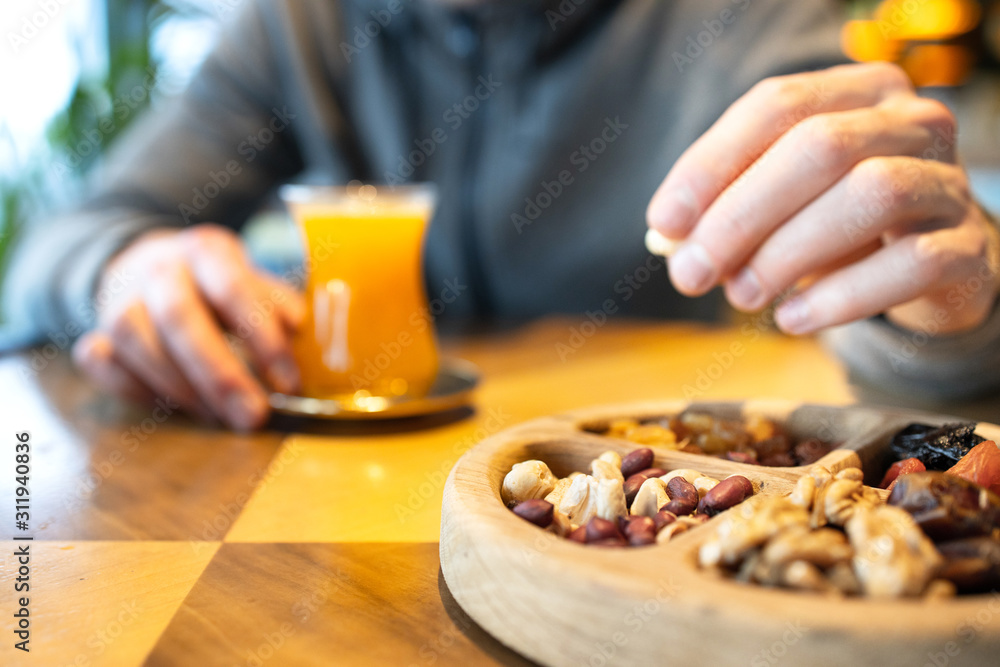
{"x":163,"y":335}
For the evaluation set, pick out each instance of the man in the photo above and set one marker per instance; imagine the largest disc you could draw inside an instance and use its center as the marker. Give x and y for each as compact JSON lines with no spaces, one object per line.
{"x":547,"y":126}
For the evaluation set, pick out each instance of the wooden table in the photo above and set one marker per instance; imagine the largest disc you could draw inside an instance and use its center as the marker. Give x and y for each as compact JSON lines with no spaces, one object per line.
{"x":162,"y":541}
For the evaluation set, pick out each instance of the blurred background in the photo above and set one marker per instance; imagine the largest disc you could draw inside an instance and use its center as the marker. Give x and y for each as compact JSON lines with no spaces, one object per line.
{"x":78,"y":72}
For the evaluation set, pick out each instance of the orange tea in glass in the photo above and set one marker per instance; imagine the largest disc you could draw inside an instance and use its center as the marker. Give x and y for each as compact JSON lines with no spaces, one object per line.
{"x":367,"y":335}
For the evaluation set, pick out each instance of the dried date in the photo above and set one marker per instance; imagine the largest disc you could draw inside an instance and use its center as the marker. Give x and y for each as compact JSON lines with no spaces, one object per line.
{"x":947,"y":507}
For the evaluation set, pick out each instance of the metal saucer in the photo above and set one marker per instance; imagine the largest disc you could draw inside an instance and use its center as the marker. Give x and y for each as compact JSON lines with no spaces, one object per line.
{"x":453,"y":388}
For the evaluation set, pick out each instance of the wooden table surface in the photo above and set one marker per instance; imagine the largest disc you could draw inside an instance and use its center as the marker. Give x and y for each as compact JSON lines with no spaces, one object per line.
{"x":161,"y":541}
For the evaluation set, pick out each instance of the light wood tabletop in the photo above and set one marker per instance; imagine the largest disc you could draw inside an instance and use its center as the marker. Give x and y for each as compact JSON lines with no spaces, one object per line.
{"x":162,"y":541}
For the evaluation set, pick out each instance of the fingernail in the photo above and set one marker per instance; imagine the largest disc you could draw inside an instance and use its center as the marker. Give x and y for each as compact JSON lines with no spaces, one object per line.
{"x":673,"y":212}
{"x":285,"y":376}
{"x":744,"y":290}
{"x":658,"y":244}
{"x":794,"y":315}
{"x":692,"y":269}
{"x":244,"y":411}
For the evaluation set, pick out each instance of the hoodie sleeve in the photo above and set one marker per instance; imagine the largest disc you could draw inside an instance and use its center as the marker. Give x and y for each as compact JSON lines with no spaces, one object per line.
{"x":211,"y":154}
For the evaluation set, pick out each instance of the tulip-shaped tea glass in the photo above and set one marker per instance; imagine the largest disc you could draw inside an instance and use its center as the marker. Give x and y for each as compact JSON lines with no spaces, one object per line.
{"x":367,"y":336}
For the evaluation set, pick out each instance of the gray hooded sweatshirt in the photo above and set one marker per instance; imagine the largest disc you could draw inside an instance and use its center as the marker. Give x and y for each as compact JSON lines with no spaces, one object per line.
{"x":546,"y":125}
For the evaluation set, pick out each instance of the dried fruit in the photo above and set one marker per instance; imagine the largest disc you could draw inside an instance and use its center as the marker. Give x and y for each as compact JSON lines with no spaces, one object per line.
{"x":981,"y":466}
{"x":972,"y":564}
{"x":947,"y":507}
{"x":904,"y":467}
{"x":756,"y":440}
{"x":938,"y":447}
{"x":811,"y":450}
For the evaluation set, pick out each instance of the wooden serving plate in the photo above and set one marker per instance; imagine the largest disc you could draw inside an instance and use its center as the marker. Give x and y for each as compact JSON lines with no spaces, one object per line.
{"x":563,"y":603}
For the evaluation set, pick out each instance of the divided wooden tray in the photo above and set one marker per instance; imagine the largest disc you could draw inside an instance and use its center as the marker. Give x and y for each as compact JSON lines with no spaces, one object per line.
{"x":563,"y":603}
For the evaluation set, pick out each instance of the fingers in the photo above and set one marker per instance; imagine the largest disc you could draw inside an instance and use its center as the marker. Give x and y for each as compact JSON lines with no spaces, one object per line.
{"x":138,"y":349}
{"x":802,"y":165}
{"x":752,"y":125}
{"x":253,"y":309}
{"x":912,"y":266}
{"x":875,"y":200}
{"x":291,"y":304}
{"x":94,"y":354}
{"x":196,"y":344}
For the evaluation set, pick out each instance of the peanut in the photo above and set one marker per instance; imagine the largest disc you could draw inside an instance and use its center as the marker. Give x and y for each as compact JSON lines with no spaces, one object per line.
{"x":599,"y":529}
{"x":747,"y":484}
{"x":536,"y":511}
{"x":663,"y":518}
{"x":640,"y":531}
{"x":632,"y":485}
{"x":637,"y":461}
{"x":722,"y":496}
{"x":683,"y":497}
